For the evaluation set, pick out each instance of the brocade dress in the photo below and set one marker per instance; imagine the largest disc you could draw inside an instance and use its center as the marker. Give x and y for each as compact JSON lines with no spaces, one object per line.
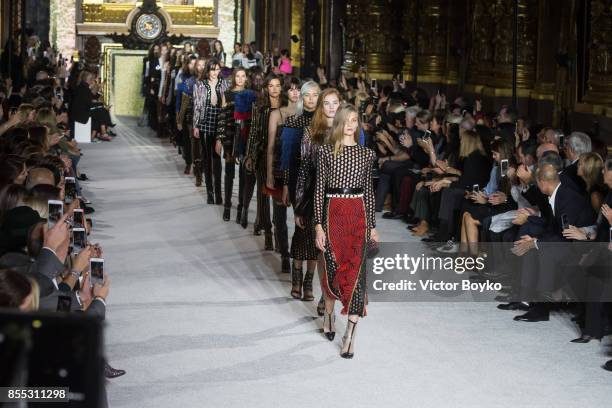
{"x":344,"y":206}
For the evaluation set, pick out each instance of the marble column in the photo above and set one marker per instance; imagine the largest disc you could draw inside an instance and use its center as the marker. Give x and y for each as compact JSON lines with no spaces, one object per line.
{"x":63,"y":25}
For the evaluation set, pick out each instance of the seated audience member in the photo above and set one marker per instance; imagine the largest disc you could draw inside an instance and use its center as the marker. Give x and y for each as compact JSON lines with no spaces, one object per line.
{"x":567,"y":208}
{"x":576,"y":144}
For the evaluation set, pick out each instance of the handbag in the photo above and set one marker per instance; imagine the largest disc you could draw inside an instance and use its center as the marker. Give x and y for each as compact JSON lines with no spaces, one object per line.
{"x":305,"y":207}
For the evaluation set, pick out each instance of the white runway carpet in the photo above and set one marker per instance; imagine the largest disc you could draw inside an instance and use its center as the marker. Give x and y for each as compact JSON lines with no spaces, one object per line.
{"x":200,"y":316}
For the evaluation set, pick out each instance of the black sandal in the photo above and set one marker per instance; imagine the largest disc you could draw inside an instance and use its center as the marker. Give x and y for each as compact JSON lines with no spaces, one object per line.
{"x":296,"y":282}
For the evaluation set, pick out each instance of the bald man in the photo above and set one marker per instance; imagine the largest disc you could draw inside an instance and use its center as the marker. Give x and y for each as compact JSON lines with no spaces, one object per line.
{"x":38,"y":176}
{"x":546,"y":147}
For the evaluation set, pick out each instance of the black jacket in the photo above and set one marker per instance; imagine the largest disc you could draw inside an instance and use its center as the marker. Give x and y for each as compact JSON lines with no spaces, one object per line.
{"x":571,"y":172}
{"x":82,"y":101}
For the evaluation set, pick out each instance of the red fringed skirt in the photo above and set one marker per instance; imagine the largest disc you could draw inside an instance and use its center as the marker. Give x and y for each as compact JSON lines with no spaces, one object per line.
{"x":345,"y":253}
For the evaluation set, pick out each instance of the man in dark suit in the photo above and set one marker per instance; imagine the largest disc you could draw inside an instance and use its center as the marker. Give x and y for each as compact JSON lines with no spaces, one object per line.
{"x":577,"y":143}
{"x":540,"y":259}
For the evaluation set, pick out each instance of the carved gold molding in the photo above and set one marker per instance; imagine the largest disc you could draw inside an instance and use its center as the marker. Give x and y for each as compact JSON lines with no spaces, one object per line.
{"x":119,"y":12}
{"x":479,"y":89}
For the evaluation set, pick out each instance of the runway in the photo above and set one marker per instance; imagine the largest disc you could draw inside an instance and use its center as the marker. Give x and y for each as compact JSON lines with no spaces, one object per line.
{"x":200,"y":316}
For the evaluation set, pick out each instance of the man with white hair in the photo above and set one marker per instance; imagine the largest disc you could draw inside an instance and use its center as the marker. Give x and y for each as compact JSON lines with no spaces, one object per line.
{"x":576,"y":144}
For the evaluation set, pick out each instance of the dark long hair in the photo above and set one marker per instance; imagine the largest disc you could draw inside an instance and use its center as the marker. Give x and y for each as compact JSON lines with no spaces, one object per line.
{"x":264,"y":99}
{"x":14,"y":288}
{"x":212,"y":63}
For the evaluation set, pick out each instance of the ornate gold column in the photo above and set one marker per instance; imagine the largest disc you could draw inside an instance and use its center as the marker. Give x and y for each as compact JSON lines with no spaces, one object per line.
{"x":378,"y":38}
{"x":369,"y":37}
{"x":434,"y":62}
{"x":482,"y":51}
{"x":527,"y":39}
{"x":600,"y":54}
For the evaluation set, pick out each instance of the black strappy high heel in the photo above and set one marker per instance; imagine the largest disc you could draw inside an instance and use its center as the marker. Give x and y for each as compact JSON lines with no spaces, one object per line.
{"x":321,"y":306}
{"x":329,"y":317}
{"x":349,"y":336}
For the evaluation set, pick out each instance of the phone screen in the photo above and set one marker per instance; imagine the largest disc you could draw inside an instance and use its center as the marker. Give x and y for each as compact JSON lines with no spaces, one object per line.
{"x":373,"y":83}
{"x":610,"y":234}
{"x":78,"y":218}
{"x":56,"y":211}
{"x":564,"y":223}
{"x":504,"y":167}
{"x":79,"y":239}
{"x":64,"y":303}
{"x":475,"y":188}
{"x":427,"y":135}
{"x":96,"y":268}
{"x":70,"y":192}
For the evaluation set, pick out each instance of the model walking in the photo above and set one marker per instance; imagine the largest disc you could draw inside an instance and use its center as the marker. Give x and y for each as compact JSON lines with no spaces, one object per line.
{"x":207,"y":99}
{"x":291,"y":139}
{"x":256,"y":158}
{"x":344,"y":221}
{"x":315,"y":136}
{"x":229,"y":133}
{"x":274,"y":177}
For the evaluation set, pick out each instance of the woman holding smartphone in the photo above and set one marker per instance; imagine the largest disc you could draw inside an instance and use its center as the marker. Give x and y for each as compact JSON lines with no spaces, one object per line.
{"x":344,"y":220}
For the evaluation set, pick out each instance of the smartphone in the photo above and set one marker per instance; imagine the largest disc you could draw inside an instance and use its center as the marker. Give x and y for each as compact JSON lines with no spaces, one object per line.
{"x":611,"y":235}
{"x":96,"y":270}
{"x":427,"y":135}
{"x":401,"y":77}
{"x":561,"y":141}
{"x":78,"y":217}
{"x":70,"y":191}
{"x":364,"y":118}
{"x":475,"y":188}
{"x":64,"y":303}
{"x":564,"y":222}
{"x":504,"y":167}
{"x":79,"y":239}
{"x":373,"y":83}
{"x":56,"y":211}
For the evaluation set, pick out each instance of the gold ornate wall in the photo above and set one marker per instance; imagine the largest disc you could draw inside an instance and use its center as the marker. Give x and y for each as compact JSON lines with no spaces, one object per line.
{"x":599,"y":89}
{"x":197,"y":19}
{"x":369,"y":36}
{"x":491,"y":58}
{"x":435,"y":64}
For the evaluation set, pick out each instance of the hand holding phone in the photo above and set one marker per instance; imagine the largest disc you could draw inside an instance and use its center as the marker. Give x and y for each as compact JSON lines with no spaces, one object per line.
{"x":564,"y":222}
{"x":79,"y":239}
{"x":96,"y":271}
{"x":56,"y":212}
{"x":504,"y":167}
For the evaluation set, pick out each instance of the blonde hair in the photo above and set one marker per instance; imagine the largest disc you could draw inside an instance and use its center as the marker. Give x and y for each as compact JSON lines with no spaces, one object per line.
{"x":24,"y":110}
{"x":46,"y":117}
{"x":337,"y":133}
{"x":591,"y":164}
{"x":35,"y":295}
{"x":361,"y":96}
{"x":38,"y":204}
{"x":470,"y":142}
